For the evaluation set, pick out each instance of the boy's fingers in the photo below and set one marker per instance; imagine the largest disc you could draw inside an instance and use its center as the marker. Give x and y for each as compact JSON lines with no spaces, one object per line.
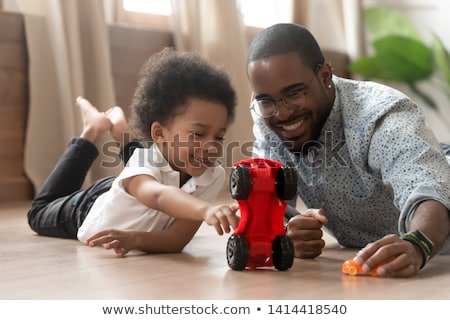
{"x":218,"y":229}
{"x":234,"y":207}
{"x":225,"y":224}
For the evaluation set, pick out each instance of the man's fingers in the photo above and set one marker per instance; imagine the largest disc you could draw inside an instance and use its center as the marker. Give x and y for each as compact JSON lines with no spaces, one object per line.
{"x":318,"y":214}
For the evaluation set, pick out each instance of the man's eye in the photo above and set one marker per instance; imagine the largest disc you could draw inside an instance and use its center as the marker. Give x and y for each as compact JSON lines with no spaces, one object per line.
{"x":295,"y":93}
{"x":265,"y":103}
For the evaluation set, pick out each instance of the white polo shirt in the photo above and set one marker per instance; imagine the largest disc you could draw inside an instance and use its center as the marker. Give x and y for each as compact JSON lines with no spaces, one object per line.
{"x":117,"y":209}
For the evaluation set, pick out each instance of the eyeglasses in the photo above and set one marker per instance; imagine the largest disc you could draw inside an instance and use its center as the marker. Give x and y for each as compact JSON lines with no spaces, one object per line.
{"x":293,"y":100}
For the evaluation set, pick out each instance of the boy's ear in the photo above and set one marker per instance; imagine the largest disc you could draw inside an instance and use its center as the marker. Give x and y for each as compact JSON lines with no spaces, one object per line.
{"x":156,"y":131}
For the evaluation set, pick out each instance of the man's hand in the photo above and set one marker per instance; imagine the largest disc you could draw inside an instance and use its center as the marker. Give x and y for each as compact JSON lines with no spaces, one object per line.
{"x":391,"y":256}
{"x":305,"y":231}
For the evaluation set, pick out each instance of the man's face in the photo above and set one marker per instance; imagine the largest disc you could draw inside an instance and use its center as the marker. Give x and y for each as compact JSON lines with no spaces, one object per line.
{"x":285,"y":75}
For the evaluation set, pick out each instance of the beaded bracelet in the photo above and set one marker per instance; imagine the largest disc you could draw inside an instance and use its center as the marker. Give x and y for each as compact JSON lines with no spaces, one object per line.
{"x":421,"y":241}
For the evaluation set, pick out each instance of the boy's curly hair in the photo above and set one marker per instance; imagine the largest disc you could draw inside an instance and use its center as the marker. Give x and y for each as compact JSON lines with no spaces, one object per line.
{"x":168,"y":80}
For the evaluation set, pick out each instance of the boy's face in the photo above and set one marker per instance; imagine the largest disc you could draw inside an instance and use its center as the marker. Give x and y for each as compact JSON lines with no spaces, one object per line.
{"x":193,"y":140}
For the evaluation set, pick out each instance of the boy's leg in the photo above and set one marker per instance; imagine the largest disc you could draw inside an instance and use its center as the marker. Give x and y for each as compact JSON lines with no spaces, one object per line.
{"x":122,"y":134}
{"x":55,"y":209}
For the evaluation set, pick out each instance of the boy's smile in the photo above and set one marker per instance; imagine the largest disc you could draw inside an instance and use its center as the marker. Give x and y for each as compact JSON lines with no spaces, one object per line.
{"x":193,"y":140}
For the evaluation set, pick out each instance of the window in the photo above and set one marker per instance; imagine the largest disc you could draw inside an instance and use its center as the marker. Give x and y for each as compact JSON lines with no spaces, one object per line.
{"x":262,"y":14}
{"x":256,"y":13}
{"x":153,"y":13}
{"x":157,"y":7}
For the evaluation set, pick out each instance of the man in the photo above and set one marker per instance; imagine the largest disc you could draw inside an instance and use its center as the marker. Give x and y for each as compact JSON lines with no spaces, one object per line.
{"x":363,"y":154}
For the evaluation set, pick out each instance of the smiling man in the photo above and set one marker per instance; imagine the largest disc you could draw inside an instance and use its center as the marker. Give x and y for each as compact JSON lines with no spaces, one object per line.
{"x":363,"y":154}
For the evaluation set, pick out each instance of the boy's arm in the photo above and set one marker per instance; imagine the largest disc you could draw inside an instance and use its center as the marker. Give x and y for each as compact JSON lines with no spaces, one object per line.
{"x":168,"y":199}
{"x":170,"y":240}
{"x":173,"y":239}
{"x":179,"y":204}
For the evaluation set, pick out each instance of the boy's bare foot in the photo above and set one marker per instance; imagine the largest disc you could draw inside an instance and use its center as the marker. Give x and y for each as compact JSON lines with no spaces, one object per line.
{"x":119,"y":127}
{"x":95,"y":123}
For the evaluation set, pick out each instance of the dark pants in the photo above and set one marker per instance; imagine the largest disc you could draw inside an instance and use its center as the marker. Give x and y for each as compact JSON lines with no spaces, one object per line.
{"x":60,"y":207}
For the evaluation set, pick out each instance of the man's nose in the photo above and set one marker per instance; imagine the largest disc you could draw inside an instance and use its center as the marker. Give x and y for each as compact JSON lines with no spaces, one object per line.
{"x":283,"y":112}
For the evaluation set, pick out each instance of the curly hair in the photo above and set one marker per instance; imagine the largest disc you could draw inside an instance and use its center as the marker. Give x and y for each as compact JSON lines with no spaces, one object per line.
{"x":168,"y":80}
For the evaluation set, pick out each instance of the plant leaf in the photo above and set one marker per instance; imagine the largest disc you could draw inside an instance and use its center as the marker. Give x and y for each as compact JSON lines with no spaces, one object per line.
{"x":425,"y":97}
{"x":370,"y":68}
{"x":400,"y":55}
{"x":404,"y":59}
{"x":397,"y":59}
{"x":442,"y":59}
{"x":383,"y":21}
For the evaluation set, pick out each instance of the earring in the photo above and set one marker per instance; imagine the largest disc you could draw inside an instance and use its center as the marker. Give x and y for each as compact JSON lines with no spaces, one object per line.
{"x":329,"y":86}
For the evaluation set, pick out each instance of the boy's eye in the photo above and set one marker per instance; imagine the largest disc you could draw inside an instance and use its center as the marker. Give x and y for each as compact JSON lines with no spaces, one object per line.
{"x":196,"y":134}
{"x":200,"y":135}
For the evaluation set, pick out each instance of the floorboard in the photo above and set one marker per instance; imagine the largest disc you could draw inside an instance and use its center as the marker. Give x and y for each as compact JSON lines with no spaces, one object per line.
{"x":35,"y":267}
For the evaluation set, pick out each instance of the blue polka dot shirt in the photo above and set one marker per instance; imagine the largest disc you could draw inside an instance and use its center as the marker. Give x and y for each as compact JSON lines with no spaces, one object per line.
{"x":373,"y":163}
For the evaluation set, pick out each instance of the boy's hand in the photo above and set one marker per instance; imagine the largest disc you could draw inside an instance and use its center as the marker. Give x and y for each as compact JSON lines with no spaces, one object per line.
{"x":120,"y":241}
{"x":305,"y":231}
{"x":221,"y":217}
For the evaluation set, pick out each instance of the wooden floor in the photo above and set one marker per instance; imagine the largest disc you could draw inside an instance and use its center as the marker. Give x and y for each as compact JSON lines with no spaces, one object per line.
{"x":35,"y":267}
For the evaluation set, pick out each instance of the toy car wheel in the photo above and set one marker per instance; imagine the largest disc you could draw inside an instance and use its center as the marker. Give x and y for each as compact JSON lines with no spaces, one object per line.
{"x":237,"y":252}
{"x":352,"y":270}
{"x":282,"y":252}
{"x":286,"y":181}
{"x":240,"y":182}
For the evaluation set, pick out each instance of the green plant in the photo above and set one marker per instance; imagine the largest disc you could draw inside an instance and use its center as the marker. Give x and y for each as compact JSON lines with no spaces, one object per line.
{"x":400,"y":55}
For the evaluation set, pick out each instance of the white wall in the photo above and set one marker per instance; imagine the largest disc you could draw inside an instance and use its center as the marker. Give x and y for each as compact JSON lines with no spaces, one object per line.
{"x":10,"y":5}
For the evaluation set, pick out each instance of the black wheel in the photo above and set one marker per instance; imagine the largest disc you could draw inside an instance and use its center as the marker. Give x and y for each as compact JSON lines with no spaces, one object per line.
{"x":237,"y":252}
{"x":282,"y":252}
{"x":240,"y":182}
{"x":286,"y":181}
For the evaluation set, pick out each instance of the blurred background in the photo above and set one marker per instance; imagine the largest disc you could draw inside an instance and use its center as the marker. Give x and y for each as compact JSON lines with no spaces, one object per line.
{"x":52,"y":51}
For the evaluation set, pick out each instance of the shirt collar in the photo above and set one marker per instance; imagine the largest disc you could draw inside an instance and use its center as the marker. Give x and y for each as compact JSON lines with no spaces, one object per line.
{"x":332,"y":129}
{"x":190,"y":185}
{"x":157,"y":159}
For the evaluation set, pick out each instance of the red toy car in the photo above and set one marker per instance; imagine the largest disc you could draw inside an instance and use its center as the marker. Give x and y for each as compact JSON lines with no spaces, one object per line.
{"x":261,"y":188}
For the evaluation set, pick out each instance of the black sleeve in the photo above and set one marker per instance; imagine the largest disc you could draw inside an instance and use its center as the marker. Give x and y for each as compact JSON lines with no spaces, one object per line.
{"x":289,"y":213}
{"x":128,"y":150}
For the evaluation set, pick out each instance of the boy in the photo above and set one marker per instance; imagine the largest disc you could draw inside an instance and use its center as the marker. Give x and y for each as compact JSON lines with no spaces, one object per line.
{"x":182,"y":106}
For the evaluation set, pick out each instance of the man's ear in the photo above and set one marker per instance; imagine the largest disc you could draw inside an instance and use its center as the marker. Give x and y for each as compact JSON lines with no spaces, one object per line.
{"x":156,"y":131}
{"x":326,"y":72}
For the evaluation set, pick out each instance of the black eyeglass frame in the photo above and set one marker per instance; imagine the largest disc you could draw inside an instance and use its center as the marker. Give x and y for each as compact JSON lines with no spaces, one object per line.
{"x":302,"y":94}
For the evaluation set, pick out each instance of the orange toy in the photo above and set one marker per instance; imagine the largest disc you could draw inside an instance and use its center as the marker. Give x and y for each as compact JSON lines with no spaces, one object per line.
{"x":352,"y":268}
